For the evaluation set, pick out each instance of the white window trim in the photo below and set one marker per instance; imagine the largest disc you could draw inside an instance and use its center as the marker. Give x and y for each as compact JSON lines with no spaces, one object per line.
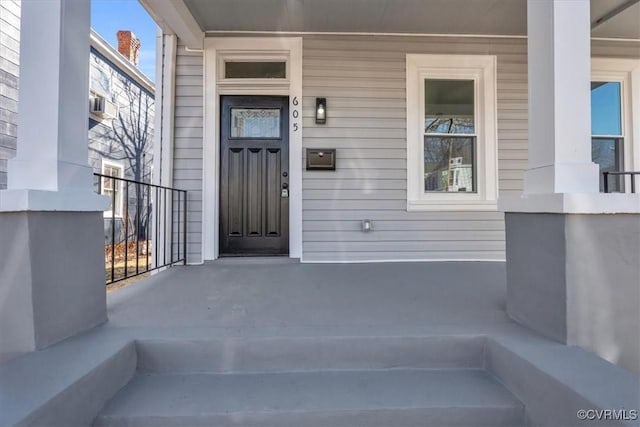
{"x":250,"y":48}
{"x":627,"y":73}
{"x":481,"y":69}
{"x":119,"y":165}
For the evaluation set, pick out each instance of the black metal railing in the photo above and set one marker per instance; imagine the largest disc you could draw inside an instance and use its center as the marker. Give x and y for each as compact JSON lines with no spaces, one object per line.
{"x":632,"y":177}
{"x":138,"y":211}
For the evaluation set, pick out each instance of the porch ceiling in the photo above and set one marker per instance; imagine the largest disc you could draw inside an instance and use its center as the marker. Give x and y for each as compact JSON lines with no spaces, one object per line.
{"x":500,"y":17}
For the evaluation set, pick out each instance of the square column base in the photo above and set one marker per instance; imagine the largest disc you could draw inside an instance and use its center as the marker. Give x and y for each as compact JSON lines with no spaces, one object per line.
{"x":575,"y":278}
{"x":52,"y":277}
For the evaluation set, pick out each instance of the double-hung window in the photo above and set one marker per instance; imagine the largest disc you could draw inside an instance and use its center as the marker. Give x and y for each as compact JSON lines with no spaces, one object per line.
{"x":615,"y":119}
{"x":451,"y":132}
{"x":112,"y":187}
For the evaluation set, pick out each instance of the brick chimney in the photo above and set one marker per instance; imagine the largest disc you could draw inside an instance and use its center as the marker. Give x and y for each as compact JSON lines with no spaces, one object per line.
{"x":129,"y":46}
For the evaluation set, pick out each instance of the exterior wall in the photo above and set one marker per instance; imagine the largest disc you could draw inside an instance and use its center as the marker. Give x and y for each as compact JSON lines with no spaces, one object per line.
{"x":136,"y":115}
{"x":188,"y":134}
{"x":9,"y":70}
{"x":127,"y":139}
{"x":364,"y":82}
{"x":363,"y":79}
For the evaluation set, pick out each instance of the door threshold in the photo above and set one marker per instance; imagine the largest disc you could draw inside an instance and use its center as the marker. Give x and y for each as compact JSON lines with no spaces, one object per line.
{"x":249,"y":259}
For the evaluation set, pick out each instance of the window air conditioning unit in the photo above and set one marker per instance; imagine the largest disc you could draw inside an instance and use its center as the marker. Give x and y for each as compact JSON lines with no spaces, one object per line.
{"x":456,"y":161}
{"x":102,"y":107}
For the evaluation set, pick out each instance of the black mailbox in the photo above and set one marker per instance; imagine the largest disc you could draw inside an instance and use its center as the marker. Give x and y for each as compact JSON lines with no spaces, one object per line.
{"x":321,"y":159}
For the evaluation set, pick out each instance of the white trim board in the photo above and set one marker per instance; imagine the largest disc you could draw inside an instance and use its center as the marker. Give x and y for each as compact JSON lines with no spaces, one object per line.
{"x":373,"y":34}
{"x":251,"y":47}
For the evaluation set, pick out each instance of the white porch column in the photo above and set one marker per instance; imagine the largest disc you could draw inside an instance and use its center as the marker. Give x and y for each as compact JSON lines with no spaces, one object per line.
{"x":50,"y":170}
{"x":572,"y":252}
{"x":51,"y":250}
{"x":559,"y":98}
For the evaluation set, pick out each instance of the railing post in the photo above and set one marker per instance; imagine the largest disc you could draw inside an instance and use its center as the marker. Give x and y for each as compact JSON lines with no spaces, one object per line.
{"x":606,"y":181}
{"x":113,"y":229}
{"x":184,"y":243}
{"x":126,"y":230}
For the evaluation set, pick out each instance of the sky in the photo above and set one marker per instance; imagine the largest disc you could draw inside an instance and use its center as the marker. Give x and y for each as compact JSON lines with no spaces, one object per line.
{"x":109,"y":16}
{"x":605,"y":109}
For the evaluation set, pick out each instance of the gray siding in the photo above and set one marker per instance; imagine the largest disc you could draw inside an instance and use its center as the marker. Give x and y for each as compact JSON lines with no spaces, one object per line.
{"x":9,"y":64}
{"x":188,"y":132}
{"x":136,"y":108}
{"x":363,"y":79}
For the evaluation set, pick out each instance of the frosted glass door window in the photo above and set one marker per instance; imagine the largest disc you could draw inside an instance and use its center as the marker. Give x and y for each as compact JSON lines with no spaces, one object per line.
{"x":255,"y":123}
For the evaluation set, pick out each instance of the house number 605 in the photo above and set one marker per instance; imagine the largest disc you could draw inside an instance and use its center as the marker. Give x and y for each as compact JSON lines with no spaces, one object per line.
{"x":295,"y":113}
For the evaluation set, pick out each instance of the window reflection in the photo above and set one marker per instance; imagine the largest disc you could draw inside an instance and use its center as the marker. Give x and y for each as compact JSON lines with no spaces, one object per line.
{"x":606,"y":129}
{"x":449,"y":142}
{"x":605,"y":108}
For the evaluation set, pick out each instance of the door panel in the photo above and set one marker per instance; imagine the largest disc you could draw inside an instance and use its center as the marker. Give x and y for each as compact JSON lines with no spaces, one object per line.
{"x":236,"y":192}
{"x":254,"y":206}
{"x":273,"y":193}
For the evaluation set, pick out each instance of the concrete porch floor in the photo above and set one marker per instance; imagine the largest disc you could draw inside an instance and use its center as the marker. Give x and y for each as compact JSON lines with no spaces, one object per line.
{"x":276,"y":296}
{"x":276,"y":303}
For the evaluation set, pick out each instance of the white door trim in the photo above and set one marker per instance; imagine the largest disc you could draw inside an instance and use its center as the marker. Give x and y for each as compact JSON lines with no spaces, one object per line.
{"x":214,"y":87}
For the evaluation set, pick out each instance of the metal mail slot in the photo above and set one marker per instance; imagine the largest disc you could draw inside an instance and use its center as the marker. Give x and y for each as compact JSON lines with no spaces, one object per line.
{"x":321,"y":159}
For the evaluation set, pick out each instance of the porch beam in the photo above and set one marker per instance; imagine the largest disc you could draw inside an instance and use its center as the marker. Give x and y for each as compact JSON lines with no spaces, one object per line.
{"x":613,"y":13}
{"x":174,"y":17}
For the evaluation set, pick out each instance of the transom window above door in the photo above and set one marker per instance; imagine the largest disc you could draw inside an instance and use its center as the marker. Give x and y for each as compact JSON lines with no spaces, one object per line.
{"x":255,"y":70}
{"x":242,"y":68}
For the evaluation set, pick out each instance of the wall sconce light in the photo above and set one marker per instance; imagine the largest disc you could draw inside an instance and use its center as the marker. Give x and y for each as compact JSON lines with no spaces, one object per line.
{"x":367,"y":227}
{"x":321,"y":111}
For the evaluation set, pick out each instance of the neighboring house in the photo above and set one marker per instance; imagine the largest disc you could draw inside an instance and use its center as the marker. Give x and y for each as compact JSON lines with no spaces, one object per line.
{"x":121,"y":122}
{"x":120,"y":129}
{"x":9,"y":67}
{"x":120,"y":117}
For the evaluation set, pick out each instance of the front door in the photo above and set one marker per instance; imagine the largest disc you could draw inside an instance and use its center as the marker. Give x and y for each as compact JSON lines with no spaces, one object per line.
{"x":254,"y":179}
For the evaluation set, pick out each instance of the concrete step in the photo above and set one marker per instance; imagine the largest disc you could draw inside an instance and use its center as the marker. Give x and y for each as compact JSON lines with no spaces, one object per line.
{"x":276,"y":354}
{"x":386,"y":397}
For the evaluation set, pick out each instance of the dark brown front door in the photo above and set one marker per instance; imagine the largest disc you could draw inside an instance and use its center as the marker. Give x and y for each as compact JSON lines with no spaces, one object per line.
{"x":254,"y":178}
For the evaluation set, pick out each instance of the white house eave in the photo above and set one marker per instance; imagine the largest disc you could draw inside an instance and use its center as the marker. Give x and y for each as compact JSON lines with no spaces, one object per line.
{"x":100,"y":44}
{"x":174,"y":17}
{"x":212,"y":33}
